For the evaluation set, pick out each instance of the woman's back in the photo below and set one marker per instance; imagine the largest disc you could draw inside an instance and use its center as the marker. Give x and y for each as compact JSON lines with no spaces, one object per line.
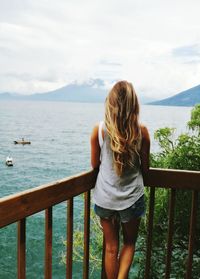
{"x":113,"y":191}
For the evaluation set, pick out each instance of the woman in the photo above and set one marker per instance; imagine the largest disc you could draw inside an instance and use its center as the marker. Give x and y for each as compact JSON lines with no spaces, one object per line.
{"x":120,"y":148}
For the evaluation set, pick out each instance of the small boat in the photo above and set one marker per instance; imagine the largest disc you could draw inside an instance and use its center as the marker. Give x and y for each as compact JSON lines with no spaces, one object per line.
{"x":9,"y":161}
{"x":22,"y":141}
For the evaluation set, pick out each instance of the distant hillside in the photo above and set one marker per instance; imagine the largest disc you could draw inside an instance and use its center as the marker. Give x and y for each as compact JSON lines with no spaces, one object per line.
{"x":93,"y":91}
{"x":187,"y":98}
{"x":9,"y":96}
{"x":87,"y":92}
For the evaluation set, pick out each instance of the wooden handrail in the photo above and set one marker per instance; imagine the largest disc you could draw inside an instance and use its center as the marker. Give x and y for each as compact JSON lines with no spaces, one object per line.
{"x":21,"y":205}
{"x":175,"y":179}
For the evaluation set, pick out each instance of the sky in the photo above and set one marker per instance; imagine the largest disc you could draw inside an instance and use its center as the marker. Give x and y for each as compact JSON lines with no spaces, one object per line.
{"x":46,"y":44}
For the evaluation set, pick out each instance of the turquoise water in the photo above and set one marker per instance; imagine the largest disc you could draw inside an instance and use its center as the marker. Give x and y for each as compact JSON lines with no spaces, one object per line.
{"x":59,"y":135}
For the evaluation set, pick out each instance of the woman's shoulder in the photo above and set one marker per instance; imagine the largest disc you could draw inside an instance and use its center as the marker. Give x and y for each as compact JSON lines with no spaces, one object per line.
{"x":98,"y":130}
{"x":143,"y":127}
{"x":144,"y":132}
{"x":97,"y":126}
{"x":95,"y":131}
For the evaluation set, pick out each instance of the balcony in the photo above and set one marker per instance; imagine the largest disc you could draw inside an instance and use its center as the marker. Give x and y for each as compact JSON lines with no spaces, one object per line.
{"x":17,"y":207}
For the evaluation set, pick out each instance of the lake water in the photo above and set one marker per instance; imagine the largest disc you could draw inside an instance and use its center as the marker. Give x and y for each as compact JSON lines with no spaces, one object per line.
{"x":59,"y":135}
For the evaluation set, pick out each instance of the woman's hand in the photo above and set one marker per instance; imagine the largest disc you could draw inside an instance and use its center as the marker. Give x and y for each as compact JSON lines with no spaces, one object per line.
{"x":95,"y":148}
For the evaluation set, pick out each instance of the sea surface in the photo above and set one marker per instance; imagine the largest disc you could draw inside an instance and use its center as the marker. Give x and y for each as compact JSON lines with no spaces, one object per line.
{"x":60,"y":146}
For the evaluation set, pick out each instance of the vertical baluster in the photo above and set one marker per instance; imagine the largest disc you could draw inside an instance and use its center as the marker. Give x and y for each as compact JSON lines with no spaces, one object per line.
{"x":170,"y":233}
{"x":86,"y":235}
{"x":48,"y":243}
{"x":22,"y":249}
{"x":103,"y":272}
{"x":69,"y":238}
{"x":150,"y":233}
{"x":193,"y":219}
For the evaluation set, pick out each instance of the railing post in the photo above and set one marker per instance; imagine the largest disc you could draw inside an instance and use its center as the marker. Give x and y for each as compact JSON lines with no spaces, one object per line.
{"x":48,"y":243}
{"x":69,"y":257}
{"x":22,"y":249}
{"x":170,"y":233}
{"x":149,"y":233}
{"x":103,"y":271}
{"x":193,"y":219}
{"x":86,"y":234}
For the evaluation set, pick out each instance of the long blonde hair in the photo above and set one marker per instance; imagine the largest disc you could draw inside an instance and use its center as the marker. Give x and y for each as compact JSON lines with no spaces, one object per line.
{"x":122,"y":125}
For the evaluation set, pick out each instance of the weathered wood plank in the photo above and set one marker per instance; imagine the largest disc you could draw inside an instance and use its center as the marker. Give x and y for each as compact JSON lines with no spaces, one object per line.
{"x":175,"y":179}
{"x":18,"y":206}
{"x":48,"y":243}
{"x":86,"y":235}
{"x":150,"y":234}
{"x":170,"y":233}
{"x":103,"y":271}
{"x":193,"y":221}
{"x":69,"y":253}
{"x":21,"y":257}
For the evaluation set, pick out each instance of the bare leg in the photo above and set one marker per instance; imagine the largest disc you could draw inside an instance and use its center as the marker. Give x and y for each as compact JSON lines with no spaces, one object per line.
{"x":130,"y":232}
{"x":111,"y":234}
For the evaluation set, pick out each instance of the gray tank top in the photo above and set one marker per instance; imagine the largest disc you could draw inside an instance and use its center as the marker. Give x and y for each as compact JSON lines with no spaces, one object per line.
{"x":112,"y":191}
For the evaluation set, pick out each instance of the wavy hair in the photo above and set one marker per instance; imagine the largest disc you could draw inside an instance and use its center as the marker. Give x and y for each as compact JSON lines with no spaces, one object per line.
{"x":122,"y":125}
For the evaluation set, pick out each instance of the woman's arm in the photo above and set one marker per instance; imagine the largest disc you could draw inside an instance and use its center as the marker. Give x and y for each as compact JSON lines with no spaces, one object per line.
{"x":95,"y":148}
{"x":145,"y":150}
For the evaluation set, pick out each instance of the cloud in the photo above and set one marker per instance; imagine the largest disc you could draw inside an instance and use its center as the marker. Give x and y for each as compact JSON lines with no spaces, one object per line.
{"x":46,"y":44}
{"x":187,"y":51}
{"x":110,"y":63}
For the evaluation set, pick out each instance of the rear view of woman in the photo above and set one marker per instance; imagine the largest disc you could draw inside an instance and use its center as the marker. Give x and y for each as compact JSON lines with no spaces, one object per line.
{"x":120,"y":148}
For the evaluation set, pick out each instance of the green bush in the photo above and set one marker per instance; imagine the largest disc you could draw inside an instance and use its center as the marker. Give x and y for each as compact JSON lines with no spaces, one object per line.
{"x":180,"y":153}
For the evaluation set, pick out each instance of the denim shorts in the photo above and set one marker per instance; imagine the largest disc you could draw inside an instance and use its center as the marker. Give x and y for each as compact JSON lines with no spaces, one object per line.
{"x":136,"y":210}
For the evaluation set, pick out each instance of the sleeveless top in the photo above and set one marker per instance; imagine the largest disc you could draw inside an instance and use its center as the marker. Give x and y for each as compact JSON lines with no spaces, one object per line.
{"x":112,"y":191}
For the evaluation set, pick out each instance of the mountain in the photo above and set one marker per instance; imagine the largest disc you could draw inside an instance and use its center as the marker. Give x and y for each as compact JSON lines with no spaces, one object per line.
{"x":86,"y":92}
{"x":9,"y":96}
{"x":92,"y":91}
{"x":187,"y":98}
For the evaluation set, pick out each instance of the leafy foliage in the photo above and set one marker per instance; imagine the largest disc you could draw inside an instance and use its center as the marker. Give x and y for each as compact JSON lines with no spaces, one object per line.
{"x":180,"y":153}
{"x":183,"y":152}
{"x":194,"y":123}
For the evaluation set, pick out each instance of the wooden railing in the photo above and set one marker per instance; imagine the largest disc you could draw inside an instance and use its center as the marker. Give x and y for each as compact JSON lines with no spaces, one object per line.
{"x":17,"y":207}
{"x":174,"y":180}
